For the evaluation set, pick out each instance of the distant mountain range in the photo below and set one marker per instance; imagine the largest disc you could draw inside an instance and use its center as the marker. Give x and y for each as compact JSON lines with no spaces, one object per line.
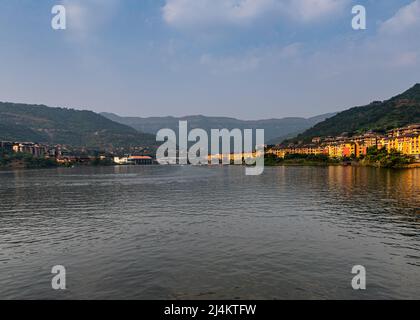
{"x":379,"y":116}
{"x":276,"y":130}
{"x":39,"y":123}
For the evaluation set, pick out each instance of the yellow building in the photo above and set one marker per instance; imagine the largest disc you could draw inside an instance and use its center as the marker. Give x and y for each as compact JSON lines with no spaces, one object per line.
{"x":408,"y":145}
{"x":237,"y":157}
{"x":415,"y":146}
{"x":405,"y":140}
{"x":278,"y":152}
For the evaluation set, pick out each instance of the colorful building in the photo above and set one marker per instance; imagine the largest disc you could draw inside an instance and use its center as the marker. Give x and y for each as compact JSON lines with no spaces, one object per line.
{"x":133,"y":160}
{"x":405,"y":140}
{"x":34,"y":149}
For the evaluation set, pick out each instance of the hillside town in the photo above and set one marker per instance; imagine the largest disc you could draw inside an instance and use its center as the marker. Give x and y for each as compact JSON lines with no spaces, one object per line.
{"x":405,"y":140}
{"x":63,"y":155}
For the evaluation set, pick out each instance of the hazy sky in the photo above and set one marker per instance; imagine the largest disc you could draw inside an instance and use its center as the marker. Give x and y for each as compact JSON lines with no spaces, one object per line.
{"x":243,"y":58}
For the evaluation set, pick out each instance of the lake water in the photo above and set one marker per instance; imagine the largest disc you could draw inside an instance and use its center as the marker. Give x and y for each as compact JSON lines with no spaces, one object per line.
{"x":210,"y":232}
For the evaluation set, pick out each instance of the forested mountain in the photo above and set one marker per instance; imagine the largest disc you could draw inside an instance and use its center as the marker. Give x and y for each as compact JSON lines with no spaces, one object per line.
{"x":275,"y":129}
{"x":380,"y":116}
{"x":39,"y":123}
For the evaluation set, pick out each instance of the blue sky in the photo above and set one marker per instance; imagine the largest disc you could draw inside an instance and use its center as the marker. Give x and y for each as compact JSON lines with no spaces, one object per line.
{"x":249,"y":59}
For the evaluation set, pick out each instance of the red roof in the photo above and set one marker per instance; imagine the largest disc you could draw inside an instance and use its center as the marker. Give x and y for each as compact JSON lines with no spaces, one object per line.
{"x":140,"y":158}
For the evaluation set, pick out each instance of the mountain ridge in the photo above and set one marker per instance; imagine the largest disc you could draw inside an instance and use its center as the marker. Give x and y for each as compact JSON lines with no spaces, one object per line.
{"x":274,"y":128}
{"x":379,"y":116}
{"x":53,"y":125}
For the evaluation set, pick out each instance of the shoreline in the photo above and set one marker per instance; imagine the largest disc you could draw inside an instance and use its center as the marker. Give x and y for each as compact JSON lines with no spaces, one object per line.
{"x":270,"y":165}
{"x":315,"y":164}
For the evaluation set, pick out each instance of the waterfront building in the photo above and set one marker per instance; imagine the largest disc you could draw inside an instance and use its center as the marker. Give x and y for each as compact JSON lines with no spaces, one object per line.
{"x":140,"y":160}
{"x":232,"y":157}
{"x":34,"y":149}
{"x":133,"y":160}
{"x":121,"y":160}
{"x":408,"y":144}
{"x":405,"y":140}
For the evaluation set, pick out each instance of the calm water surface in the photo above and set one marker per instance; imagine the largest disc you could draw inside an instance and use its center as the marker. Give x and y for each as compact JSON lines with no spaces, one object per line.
{"x":210,"y":232}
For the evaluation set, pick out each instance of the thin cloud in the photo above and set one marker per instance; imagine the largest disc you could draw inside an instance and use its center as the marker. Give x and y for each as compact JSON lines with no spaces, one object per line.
{"x":85,"y":17}
{"x":211,"y":13}
{"x":406,"y":59}
{"x":251,"y":60}
{"x":311,"y":10}
{"x":407,"y":19}
{"x":226,"y":65}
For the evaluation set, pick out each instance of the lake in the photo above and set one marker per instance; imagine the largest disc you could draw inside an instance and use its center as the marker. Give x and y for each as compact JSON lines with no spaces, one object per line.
{"x":183,"y":232}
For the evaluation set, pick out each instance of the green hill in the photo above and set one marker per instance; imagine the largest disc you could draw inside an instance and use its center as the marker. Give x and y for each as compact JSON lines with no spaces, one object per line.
{"x":276,"y":130}
{"x":378,"y":116}
{"x":39,"y":123}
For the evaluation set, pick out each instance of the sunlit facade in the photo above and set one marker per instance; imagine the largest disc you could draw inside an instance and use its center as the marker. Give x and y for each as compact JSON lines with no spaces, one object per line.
{"x":405,"y":140}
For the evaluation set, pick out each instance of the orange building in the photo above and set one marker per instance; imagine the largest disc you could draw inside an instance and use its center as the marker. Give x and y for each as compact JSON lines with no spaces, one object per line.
{"x":405,"y":140}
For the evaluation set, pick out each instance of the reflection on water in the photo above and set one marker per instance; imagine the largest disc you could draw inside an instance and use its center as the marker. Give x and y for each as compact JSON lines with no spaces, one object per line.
{"x":210,"y":232}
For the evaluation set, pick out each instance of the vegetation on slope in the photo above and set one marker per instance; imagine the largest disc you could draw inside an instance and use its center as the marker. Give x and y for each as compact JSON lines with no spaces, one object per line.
{"x":378,"y":116}
{"x":275,"y":130}
{"x":382,"y":158}
{"x":24,"y":160}
{"x":39,"y":123}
